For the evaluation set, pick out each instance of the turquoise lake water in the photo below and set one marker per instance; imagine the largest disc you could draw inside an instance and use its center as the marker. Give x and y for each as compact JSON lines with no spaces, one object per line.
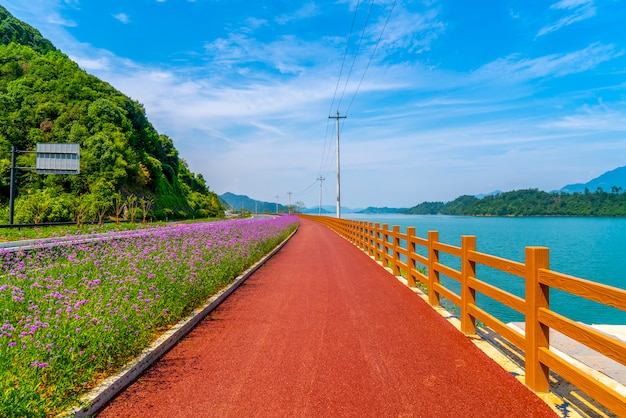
{"x":588,"y":248}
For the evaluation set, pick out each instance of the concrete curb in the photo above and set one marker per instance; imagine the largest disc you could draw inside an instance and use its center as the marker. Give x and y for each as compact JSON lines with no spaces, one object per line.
{"x":97,"y":398}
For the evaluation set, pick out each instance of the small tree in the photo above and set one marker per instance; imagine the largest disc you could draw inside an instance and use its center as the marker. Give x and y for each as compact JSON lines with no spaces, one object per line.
{"x":131,"y":205}
{"x":118,"y":205}
{"x":37,"y":205}
{"x":145,"y":204}
{"x":102,"y":192}
{"x":80,"y":209}
{"x":299,"y":206}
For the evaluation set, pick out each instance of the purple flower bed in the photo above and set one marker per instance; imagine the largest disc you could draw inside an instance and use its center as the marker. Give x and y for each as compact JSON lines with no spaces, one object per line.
{"x":72,"y":314}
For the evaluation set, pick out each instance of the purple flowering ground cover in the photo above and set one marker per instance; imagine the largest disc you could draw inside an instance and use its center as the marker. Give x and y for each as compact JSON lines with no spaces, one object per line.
{"x":71,"y":315}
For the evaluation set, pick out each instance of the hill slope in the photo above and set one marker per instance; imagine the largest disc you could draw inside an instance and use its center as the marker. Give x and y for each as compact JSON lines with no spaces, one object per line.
{"x":46,"y":98}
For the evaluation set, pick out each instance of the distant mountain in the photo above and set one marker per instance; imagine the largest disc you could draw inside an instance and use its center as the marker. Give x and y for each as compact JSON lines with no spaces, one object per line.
{"x":326,"y":210}
{"x":382,"y":210}
{"x":330,"y":209}
{"x":608,"y":180}
{"x":495,"y":192}
{"x":239,"y":202}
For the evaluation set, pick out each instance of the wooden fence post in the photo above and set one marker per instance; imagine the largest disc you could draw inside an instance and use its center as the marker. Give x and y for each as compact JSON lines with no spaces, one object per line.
{"x":370,"y":247}
{"x":352,"y":231}
{"x":377,"y":241}
{"x":433,"y":275}
{"x":537,"y":334}
{"x":468,"y":295}
{"x":395,"y":244}
{"x":361,"y":226}
{"x":410,"y":262}
{"x":385,"y":245}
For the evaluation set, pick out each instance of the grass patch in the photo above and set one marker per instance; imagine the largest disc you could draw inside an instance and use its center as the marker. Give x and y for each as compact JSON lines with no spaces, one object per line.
{"x":37,"y":232}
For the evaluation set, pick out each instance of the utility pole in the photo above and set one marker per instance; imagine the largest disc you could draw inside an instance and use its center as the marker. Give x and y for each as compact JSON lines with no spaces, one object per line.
{"x":289,"y":207}
{"x":12,"y":187}
{"x":276,"y":204}
{"x":337,"y":117}
{"x":321,"y":179}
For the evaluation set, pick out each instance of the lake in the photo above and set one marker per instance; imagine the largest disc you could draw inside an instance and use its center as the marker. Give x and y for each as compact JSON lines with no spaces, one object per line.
{"x":588,"y":248}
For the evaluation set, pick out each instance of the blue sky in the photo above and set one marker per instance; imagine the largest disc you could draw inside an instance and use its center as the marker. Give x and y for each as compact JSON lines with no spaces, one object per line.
{"x":442,"y":97}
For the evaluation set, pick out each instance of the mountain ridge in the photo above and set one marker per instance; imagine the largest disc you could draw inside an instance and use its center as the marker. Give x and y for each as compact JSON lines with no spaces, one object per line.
{"x":606,"y":181}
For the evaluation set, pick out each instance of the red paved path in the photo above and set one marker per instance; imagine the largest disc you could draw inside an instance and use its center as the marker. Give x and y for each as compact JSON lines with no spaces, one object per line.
{"x":323,"y":331}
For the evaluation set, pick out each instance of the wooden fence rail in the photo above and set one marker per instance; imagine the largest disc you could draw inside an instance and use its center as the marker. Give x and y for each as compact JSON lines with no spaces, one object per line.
{"x":384,"y":245}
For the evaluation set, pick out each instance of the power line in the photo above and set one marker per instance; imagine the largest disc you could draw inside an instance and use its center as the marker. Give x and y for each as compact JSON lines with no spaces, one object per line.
{"x":345,"y":54}
{"x":326,"y":155}
{"x":372,"y":55}
{"x":356,"y":53}
{"x":343,"y":62}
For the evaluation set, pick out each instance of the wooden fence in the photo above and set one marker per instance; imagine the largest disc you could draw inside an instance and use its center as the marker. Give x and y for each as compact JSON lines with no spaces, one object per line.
{"x":399,"y":252}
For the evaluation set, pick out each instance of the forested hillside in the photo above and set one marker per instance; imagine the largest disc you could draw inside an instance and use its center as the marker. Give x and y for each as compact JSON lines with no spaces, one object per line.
{"x":46,"y":98}
{"x":532,"y":202}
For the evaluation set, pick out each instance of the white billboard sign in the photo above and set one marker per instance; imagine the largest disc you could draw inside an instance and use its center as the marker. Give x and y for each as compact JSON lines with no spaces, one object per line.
{"x":58,"y":159}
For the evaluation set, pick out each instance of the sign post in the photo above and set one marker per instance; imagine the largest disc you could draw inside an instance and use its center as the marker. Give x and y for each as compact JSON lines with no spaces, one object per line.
{"x":12,"y":186}
{"x":51,"y":159}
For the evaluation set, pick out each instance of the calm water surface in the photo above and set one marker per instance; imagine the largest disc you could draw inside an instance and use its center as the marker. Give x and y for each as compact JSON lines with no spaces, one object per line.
{"x":589,"y":248}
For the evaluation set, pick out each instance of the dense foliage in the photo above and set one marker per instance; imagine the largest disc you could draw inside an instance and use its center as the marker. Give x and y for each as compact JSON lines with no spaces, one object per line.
{"x":426,"y":208}
{"x":532,"y":202}
{"x":46,"y":98}
{"x":13,"y":30}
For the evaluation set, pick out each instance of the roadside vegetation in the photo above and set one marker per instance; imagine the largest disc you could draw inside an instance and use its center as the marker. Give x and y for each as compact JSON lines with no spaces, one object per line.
{"x":72,"y":314}
{"x":57,"y":231}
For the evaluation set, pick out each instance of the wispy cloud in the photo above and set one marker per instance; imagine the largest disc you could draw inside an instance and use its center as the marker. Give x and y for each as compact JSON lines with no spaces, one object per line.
{"x":305,"y":12}
{"x":409,"y":31}
{"x":576,"y":11}
{"x":518,"y":68}
{"x":122,"y":17}
{"x":287,"y":54}
{"x":598,"y":117}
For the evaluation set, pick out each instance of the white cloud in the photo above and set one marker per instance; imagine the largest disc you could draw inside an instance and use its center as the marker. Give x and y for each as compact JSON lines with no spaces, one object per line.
{"x":122,"y":17}
{"x":578,"y":10}
{"x":571,"y":4}
{"x":413,"y":32}
{"x":598,"y":117}
{"x":516,"y":68}
{"x":89,"y":64}
{"x":307,"y":11}
{"x":287,"y":54}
